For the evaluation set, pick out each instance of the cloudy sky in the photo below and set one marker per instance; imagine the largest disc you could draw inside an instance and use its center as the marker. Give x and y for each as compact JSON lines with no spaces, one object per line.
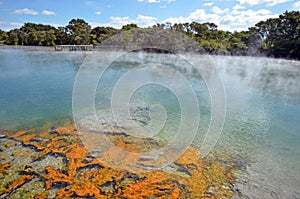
{"x":227,"y":14}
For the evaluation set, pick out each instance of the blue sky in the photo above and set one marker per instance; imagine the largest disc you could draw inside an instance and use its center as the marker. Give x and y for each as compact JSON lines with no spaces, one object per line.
{"x":227,"y":14}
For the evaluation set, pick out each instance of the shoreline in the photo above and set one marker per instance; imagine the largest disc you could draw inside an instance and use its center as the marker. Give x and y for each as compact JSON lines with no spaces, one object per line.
{"x":52,"y":49}
{"x":30,"y":48}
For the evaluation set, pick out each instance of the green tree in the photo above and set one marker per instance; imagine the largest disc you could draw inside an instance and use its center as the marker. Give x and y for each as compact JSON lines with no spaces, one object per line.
{"x":281,"y":36}
{"x":99,"y":34}
{"x":33,"y":38}
{"x":61,"y":36}
{"x":49,"y":38}
{"x":13,"y":38}
{"x":78,"y":31}
{"x":3,"y":35}
{"x":129,"y":27}
{"x":237,"y":46}
{"x":36,"y":34}
{"x":178,"y":27}
{"x":159,"y":26}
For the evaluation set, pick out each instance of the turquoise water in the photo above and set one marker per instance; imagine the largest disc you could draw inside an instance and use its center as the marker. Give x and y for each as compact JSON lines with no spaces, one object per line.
{"x":262,"y":120}
{"x":263,"y":106}
{"x":36,"y":86}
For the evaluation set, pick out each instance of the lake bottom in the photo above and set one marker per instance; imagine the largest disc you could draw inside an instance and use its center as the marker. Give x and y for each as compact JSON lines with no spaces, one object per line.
{"x":53,"y":163}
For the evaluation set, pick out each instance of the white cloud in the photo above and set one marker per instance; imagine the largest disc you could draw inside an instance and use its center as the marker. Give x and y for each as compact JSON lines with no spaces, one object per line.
{"x":1,"y":3}
{"x":145,"y":21}
{"x":219,"y":11}
{"x":48,"y":12}
{"x":56,"y":25}
{"x":241,"y":20}
{"x":95,"y":24}
{"x":251,"y":3}
{"x":276,"y":2}
{"x":157,"y":1}
{"x":89,"y":3}
{"x":208,"y":4}
{"x":98,"y":13}
{"x":26,"y":11}
{"x":238,"y":7}
{"x":200,"y":16}
{"x":196,"y":16}
{"x":297,"y":4}
{"x":163,"y":6}
{"x":118,"y":22}
{"x":251,"y":13}
{"x":174,"y":20}
{"x":257,"y":2}
{"x":6,"y":26}
{"x":235,"y":20}
{"x":154,"y":1}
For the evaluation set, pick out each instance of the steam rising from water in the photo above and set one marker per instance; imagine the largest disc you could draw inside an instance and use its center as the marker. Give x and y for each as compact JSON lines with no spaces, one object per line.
{"x":270,"y":76}
{"x":262,"y":121}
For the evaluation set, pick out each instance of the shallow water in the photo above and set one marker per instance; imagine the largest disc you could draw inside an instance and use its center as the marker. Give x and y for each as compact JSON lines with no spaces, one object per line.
{"x":264,"y":100}
{"x":262,"y":118}
{"x":36,"y":86}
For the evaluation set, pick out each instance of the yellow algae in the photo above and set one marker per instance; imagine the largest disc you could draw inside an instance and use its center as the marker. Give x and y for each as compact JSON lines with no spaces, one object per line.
{"x":3,"y":169}
{"x":157,"y":184}
{"x":16,"y":184}
{"x":4,"y":166}
{"x":114,"y":154}
{"x":41,"y":196}
{"x":80,"y":190}
{"x":22,"y":153}
{"x":76,"y":151}
{"x":18,"y":134}
{"x":54,"y":176}
{"x":195,"y":184}
{"x":10,"y":144}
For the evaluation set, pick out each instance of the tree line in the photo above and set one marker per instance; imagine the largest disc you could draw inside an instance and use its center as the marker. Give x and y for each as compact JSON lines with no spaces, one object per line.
{"x":275,"y":37}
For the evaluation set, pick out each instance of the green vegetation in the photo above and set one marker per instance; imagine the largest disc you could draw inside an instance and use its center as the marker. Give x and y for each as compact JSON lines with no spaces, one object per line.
{"x":281,"y":35}
{"x":3,"y":36}
{"x":276,"y":37}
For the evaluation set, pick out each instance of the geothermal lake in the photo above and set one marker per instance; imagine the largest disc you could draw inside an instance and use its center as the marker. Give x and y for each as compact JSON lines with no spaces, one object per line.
{"x":261,"y":128}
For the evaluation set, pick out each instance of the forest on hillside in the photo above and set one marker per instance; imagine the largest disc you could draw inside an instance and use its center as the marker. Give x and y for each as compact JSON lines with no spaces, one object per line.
{"x":275,"y":37}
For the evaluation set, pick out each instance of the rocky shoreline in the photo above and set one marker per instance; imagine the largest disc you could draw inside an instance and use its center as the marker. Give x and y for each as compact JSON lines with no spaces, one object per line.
{"x":55,"y":164}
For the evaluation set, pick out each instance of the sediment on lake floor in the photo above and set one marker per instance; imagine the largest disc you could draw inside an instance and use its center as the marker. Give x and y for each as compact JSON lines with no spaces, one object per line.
{"x":55,"y":164}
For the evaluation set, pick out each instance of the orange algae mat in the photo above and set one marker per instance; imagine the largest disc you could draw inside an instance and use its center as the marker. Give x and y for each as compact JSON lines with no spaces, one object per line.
{"x":55,"y":164}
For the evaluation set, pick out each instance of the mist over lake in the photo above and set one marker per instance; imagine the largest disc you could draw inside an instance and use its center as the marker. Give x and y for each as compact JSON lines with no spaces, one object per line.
{"x":261,"y":127}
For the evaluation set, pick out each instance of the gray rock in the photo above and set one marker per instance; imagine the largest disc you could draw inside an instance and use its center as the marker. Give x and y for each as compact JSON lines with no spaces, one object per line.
{"x":2,"y":136}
